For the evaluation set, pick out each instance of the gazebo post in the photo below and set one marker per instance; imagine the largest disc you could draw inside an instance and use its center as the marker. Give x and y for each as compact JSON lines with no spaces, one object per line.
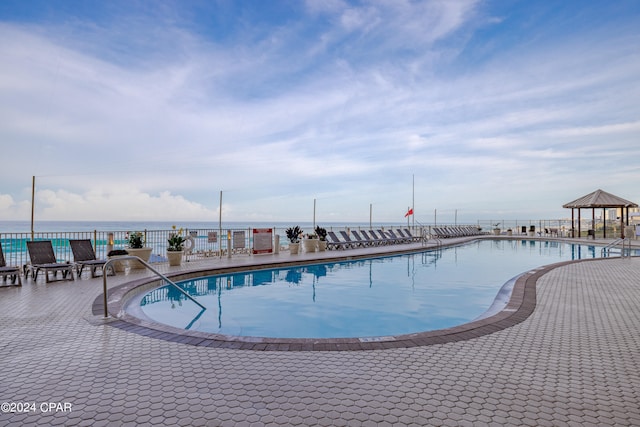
{"x":593,"y":222}
{"x":604,"y":223}
{"x":579,"y":222}
{"x":573,"y":225}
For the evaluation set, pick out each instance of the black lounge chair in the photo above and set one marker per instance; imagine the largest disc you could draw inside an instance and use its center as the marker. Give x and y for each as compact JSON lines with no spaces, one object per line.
{"x":377,"y":239}
{"x":43,"y":258}
{"x":390,"y":238}
{"x":413,"y":238}
{"x":371,"y":240}
{"x":363,"y":241}
{"x":397,"y":239}
{"x":8,"y":271}
{"x":351,"y":242}
{"x":333,"y":242}
{"x":85,"y":256}
{"x":442,"y":232}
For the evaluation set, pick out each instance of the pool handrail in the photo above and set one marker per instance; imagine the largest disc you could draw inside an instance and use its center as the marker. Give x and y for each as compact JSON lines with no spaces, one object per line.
{"x":607,"y":249}
{"x":144,"y":263}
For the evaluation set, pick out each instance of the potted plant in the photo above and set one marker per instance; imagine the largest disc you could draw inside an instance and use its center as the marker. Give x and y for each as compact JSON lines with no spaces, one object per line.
{"x":137,"y":248}
{"x":118,"y":266}
{"x":496,"y":229}
{"x":293,"y":234}
{"x":175,"y":247}
{"x":509,"y":232}
{"x":322,"y":238}
{"x":310,"y":243}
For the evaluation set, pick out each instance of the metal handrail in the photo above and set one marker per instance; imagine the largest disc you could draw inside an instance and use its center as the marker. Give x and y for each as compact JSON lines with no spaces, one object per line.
{"x":616,"y":243}
{"x":426,"y":236}
{"x":153,"y":270}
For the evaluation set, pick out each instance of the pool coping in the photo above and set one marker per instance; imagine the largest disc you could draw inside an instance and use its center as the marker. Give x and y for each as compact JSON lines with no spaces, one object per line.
{"x":520,"y":306}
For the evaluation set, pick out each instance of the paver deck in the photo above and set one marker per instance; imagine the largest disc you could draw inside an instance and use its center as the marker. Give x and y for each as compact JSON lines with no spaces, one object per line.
{"x":574,"y":361}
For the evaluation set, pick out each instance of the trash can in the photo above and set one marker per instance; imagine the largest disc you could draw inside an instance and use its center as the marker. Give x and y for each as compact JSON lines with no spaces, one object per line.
{"x":524,"y":230}
{"x":591,"y":233}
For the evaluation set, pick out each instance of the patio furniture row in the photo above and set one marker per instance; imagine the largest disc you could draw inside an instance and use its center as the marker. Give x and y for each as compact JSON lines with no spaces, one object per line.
{"x":369,"y":238}
{"x":462,"y":231}
{"x":42,"y":258}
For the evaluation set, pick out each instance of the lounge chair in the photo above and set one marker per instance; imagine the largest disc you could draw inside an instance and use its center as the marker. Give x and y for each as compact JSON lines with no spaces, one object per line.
{"x":384,"y":237}
{"x":85,"y":256}
{"x":333,"y":242}
{"x":442,"y":233}
{"x":8,"y":271}
{"x":363,"y":241}
{"x":43,"y":258}
{"x":395,"y":237}
{"x":371,"y":240}
{"x":455,"y":232}
{"x":468,"y":231}
{"x":352,"y":243}
{"x":413,"y":238}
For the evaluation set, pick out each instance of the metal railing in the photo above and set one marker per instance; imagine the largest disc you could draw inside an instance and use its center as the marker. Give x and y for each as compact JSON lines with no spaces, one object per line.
{"x":208,"y":241}
{"x":108,"y":265}
{"x":426,"y":236}
{"x":588,"y":227}
{"x":623,"y":244}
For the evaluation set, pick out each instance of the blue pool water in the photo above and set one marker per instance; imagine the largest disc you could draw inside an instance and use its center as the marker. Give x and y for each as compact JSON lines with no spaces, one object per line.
{"x":375,"y":297}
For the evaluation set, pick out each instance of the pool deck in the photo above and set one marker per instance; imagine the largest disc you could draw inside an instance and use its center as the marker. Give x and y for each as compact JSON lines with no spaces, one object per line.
{"x":574,"y":359}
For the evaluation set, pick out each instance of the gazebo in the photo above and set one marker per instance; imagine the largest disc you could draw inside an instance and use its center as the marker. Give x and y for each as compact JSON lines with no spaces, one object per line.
{"x":604,"y":200}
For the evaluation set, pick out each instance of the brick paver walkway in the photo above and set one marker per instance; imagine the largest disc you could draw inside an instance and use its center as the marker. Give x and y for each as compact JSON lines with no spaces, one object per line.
{"x":574,"y":361}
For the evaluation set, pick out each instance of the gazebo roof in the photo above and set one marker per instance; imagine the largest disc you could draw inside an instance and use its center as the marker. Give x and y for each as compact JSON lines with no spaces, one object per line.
{"x":600,"y":199}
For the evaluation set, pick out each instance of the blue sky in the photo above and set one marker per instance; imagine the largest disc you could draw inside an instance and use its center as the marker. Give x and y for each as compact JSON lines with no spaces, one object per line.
{"x":146,"y":110}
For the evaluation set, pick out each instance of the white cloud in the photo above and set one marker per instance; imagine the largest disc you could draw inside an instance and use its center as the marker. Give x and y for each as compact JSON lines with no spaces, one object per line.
{"x":119,"y":204}
{"x":349,"y":111}
{"x":11,"y":209}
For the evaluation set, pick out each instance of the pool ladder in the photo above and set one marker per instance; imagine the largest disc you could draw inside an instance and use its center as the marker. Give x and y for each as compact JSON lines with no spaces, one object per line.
{"x":426,"y":236}
{"x":107,"y":265}
{"x":625,"y":250}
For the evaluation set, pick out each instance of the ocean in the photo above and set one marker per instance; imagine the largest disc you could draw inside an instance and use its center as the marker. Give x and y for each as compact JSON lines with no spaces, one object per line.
{"x":79,"y":226}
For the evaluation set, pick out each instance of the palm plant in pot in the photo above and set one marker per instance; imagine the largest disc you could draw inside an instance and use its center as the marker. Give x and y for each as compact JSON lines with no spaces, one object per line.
{"x":175,"y":247}
{"x":293,"y":234}
{"x":496,"y":229}
{"x":137,"y":248}
{"x":322,"y":238}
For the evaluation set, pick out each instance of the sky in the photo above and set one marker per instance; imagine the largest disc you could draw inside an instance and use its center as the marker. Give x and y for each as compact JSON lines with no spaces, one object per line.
{"x":157,"y":110}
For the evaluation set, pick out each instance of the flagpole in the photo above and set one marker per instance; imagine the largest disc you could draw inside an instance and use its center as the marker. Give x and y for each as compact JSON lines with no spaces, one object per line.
{"x":33,"y":202}
{"x":220,"y":226}
{"x":413,"y":202}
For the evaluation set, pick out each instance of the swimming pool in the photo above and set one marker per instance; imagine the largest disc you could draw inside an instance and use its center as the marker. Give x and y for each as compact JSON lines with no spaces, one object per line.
{"x":376,"y":297}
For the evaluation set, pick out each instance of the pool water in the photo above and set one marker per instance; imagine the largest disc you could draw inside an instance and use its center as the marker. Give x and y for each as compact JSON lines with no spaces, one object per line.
{"x":383,"y":296}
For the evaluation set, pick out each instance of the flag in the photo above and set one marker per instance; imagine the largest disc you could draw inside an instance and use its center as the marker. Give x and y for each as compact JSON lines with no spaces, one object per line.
{"x":409,"y":212}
